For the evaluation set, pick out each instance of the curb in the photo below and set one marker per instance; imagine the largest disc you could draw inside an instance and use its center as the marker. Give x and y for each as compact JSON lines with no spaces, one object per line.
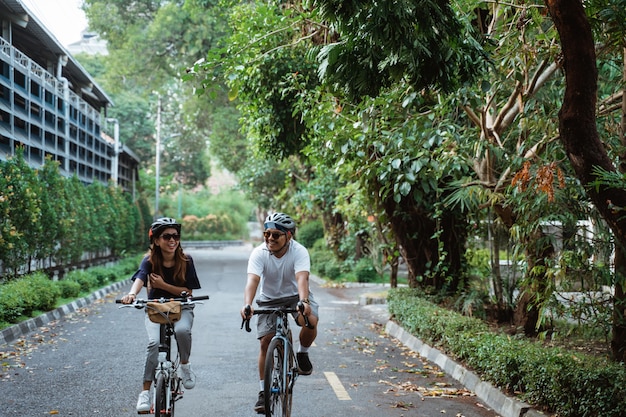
{"x":493,"y":397}
{"x":501,"y":403}
{"x":12,"y":333}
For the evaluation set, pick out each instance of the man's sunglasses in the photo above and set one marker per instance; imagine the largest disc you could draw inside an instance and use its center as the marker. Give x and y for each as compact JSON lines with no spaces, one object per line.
{"x":275,"y":235}
{"x":168,"y":236}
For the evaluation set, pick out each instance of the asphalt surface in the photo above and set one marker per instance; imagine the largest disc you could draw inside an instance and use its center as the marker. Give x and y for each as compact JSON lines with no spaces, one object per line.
{"x":89,"y":363}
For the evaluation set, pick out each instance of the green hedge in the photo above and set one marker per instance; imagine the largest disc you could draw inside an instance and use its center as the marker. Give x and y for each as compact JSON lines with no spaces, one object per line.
{"x":46,"y":216}
{"x":567,"y":383}
{"x":23,"y":297}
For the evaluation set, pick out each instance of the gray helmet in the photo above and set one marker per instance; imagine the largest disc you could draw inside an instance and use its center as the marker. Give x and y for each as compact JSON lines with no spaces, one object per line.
{"x":280,"y":221}
{"x":161,"y":224}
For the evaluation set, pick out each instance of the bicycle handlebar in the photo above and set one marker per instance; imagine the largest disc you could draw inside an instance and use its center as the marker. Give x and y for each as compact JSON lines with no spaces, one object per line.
{"x":299,"y":309}
{"x":139,"y":302}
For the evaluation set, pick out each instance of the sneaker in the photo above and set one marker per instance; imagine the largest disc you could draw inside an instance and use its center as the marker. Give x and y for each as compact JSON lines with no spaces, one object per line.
{"x":259,"y":407}
{"x":304,"y":364}
{"x":187,"y":375}
{"x":143,"y":403}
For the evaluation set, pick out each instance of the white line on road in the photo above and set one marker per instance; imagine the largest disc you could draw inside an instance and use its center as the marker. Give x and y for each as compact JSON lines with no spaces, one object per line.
{"x":340,"y":392}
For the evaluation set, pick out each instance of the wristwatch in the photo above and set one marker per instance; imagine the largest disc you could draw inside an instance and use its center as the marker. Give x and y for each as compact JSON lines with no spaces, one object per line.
{"x":305,"y":301}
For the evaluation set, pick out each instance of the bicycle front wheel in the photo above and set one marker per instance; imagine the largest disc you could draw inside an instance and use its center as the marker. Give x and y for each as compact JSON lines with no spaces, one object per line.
{"x":277,"y":392}
{"x":160,"y":397}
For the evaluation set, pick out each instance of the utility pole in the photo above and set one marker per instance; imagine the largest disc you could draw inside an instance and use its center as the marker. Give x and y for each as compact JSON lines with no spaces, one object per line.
{"x":158,"y":158}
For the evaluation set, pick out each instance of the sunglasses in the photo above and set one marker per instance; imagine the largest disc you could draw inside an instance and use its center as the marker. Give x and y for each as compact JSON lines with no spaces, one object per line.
{"x":168,"y":236}
{"x":275,"y":235}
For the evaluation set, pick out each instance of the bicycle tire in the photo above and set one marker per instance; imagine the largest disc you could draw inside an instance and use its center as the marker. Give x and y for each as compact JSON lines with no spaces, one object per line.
{"x":277,"y":393}
{"x":160,"y":397}
{"x":175,"y":390}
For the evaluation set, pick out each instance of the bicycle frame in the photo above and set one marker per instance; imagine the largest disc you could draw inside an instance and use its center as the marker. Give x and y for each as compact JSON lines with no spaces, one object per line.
{"x":279,"y":388}
{"x":166,"y":381}
{"x":281,"y":363}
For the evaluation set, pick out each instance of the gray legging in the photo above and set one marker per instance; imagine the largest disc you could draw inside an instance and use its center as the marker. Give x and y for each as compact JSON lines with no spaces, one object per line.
{"x":183,"y":338}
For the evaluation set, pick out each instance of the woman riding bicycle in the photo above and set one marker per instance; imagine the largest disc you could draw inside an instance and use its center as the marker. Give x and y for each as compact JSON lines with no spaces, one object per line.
{"x":167,"y":272}
{"x":281,"y":266}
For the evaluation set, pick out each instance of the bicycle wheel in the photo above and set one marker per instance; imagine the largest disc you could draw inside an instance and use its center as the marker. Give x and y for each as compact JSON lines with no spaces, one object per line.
{"x":276,"y":388}
{"x":160,"y":398}
{"x":175,"y":389}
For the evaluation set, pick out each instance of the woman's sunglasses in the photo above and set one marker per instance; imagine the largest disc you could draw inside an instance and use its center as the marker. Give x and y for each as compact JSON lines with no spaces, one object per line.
{"x":275,"y":235}
{"x":168,"y":236}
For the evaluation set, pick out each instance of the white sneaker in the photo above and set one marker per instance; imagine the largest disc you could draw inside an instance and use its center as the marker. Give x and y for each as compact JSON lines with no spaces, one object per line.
{"x":143,"y":403}
{"x":189,"y":378}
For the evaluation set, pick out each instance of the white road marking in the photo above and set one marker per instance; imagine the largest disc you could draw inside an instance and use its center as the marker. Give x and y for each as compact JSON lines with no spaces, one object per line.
{"x":340,"y":392}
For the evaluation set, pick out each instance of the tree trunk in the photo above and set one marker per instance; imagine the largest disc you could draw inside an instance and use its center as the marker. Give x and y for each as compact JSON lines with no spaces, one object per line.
{"x":579,"y":135}
{"x":335,"y":231}
{"x":528,"y":308}
{"x":414,"y":231}
{"x":618,"y":338}
{"x":577,"y":117}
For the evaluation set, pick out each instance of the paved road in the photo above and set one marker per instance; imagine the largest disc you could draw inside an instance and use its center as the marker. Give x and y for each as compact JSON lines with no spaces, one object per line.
{"x":90,"y":363}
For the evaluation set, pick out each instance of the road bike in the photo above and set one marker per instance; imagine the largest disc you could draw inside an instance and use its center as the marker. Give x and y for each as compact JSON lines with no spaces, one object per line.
{"x":281,"y":362}
{"x":167,"y":382}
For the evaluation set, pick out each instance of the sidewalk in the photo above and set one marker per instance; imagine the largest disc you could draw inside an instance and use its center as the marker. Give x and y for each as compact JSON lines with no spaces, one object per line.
{"x":501,"y":403}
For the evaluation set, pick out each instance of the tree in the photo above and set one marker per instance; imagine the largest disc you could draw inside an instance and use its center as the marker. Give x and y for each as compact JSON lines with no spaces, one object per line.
{"x":579,"y":135}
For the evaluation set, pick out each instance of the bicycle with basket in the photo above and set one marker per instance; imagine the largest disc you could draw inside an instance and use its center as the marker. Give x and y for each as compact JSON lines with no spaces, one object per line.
{"x":167,"y":382}
{"x":281,"y":362}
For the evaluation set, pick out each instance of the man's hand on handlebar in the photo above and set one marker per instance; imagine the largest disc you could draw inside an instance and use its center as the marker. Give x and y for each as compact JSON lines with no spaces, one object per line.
{"x":246,"y":312}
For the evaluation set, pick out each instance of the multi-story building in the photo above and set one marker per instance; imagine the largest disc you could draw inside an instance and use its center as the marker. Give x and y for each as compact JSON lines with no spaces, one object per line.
{"x":51,"y":107}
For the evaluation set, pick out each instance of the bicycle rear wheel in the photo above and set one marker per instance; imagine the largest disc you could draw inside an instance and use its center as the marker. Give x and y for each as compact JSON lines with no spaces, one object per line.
{"x":277,"y":392}
{"x":160,"y":398}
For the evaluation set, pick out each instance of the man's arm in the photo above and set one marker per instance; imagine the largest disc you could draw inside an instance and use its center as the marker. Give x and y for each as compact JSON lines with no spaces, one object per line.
{"x":302,"y":278}
{"x":249,"y":293}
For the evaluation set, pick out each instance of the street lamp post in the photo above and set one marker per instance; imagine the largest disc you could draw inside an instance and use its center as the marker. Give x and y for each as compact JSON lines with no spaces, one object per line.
{"x":158,"y":159}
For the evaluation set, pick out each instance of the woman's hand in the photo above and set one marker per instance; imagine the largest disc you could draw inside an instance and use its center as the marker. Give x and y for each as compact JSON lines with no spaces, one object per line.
{"x":156,"y":281}
{"x":129,"y":298}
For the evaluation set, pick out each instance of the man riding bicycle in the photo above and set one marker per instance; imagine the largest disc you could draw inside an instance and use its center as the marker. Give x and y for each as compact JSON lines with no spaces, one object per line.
{"x":281,"y":266}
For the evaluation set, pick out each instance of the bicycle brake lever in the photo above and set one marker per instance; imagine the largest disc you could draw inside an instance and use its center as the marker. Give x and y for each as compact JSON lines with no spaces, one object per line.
{"x":306,"y":319}
{"x":247,"y":324}
{"x":246,"y":321}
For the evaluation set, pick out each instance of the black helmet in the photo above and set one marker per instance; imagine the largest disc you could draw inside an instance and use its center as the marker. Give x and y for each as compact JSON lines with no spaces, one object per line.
{"x":280,"y":221}
{"x":163,"y":223}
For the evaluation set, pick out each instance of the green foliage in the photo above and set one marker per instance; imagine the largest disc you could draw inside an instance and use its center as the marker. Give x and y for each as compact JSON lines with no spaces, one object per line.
{"x":310,"y":232}
{"x":209,"y":216}
{"x":364,"y":270}
{"x":570,"y":384}
{"x":24,"y":296}
{"x":36,"y":292}
{"x":69,"y":289}
{"x":46,"y":216}
{"x":21,"y":224}
{"x":86,"y":280}
{"x":373,"y":54}
{"x":323,"y":261}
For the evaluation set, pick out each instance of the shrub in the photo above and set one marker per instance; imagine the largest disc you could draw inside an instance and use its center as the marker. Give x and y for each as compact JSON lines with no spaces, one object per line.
{"x":86,"y":281}
{"x":23,"y":296}
{"x":364,"y":271}
{"x":569,"y":384}
{"x":69,"y":289}
{"x":102,"y":275}
{"x":309,"y":233}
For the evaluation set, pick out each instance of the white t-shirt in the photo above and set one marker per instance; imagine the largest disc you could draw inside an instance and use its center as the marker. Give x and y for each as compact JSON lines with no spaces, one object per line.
{"x":278,"y":275}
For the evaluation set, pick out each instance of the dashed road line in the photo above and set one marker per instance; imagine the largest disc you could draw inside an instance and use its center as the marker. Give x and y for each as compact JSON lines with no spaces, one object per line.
{"x":335,"y":384}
